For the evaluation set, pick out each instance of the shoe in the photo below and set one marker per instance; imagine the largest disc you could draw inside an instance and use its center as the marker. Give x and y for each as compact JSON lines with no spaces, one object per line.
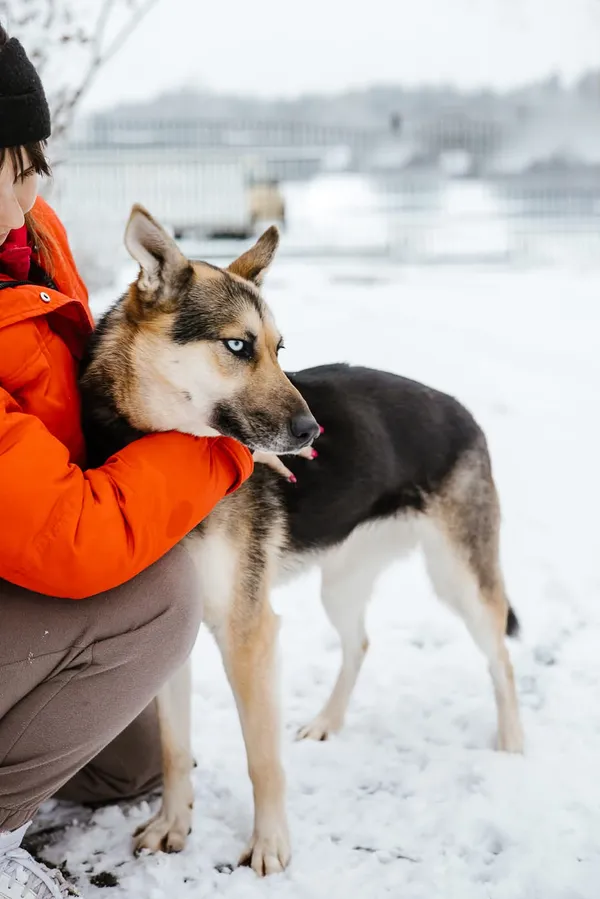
{"x":22,"y":877}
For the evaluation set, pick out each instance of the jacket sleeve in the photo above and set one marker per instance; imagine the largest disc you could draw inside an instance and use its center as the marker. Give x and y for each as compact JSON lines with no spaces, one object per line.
{"x":72,"y":533}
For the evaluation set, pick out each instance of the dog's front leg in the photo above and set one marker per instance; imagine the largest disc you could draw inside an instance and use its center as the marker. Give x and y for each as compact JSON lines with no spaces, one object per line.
{"x":169,"y":828}
{"x":248,"y":643}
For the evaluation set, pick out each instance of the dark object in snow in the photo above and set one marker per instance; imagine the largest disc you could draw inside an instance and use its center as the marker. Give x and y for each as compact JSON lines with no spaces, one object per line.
{"x":104,"y":879}
{"x":393,"y":853}
{"x":224,"y":869}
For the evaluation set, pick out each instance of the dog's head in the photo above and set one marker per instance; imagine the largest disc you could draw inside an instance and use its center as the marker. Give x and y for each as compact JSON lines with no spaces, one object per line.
{"x":203,"y":346}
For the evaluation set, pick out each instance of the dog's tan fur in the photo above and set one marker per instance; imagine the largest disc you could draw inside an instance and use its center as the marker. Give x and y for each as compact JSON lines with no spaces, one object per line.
{"x":156,"y":383}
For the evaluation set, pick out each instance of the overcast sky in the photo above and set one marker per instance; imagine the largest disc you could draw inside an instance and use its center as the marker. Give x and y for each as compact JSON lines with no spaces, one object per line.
{"x":286,"y":47}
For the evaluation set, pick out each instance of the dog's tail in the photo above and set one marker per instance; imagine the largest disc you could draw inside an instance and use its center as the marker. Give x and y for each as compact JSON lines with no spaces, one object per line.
{"x":513,"y":627}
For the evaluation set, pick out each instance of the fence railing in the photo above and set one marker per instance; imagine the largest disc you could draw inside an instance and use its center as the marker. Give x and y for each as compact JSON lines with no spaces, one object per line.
{"x":198,"y":180}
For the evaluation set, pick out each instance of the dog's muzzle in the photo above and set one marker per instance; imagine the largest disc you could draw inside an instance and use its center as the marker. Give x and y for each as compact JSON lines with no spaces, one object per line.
{"x":304,"y":429}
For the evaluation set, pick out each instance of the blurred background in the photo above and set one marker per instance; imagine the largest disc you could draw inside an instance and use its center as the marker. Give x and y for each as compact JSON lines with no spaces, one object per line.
{"x":419,"y":133}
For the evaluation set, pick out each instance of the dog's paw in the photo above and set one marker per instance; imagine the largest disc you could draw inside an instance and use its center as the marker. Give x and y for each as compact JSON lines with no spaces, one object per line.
{"x":321,"y":728}
{"x":164,"y":832}
{"x":268,"y":853}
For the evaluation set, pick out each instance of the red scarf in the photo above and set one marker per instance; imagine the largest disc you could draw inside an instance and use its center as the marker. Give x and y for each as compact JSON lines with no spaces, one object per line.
{"x":15,"y":255}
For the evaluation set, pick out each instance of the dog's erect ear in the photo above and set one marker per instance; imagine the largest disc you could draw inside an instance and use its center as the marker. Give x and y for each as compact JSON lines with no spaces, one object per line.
{"x":253,"y":264}
{"x":156,"y":252}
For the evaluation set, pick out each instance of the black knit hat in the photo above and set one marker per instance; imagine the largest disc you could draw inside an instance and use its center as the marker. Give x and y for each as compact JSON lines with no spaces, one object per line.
{"x":24,"y":113}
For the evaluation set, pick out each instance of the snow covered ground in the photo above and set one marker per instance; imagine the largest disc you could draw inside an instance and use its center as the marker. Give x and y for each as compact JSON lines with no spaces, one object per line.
{"x":410,"y":800}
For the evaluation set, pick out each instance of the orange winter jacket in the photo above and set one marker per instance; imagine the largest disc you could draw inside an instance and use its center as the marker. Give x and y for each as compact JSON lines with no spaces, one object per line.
{"x":64,"y":530}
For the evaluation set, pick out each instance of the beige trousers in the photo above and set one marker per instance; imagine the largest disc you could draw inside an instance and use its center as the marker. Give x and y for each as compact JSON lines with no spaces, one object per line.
{"x":77,"y":680}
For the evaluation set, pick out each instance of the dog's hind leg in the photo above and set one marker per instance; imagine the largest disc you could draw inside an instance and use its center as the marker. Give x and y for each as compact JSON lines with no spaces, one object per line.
{"x":169,"y":828}
{"x":461,"y":544}
{"x":248,"y":643}
{"x":347,"y":583}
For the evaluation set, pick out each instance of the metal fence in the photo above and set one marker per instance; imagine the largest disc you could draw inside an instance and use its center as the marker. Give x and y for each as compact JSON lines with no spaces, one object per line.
{"x":342,"y":191}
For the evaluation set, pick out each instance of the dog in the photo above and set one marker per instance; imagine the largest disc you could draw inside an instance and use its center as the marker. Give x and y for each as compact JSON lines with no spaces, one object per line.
{"x":193,"y":347}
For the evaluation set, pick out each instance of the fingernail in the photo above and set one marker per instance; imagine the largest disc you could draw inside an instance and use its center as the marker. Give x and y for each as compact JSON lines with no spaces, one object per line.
{"x":293,"y":479}
{"x":314,"y":454}
{"x":321,"y":429}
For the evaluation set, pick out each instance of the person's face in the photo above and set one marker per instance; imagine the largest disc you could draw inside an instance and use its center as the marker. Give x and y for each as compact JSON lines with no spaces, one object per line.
{"x":18,"y":191}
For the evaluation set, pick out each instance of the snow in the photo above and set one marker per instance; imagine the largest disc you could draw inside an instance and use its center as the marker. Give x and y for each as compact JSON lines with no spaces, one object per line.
{"x":410,"y":800}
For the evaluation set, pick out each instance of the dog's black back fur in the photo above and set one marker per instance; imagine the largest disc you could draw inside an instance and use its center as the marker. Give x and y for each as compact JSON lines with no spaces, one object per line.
{"x":388,"y":443}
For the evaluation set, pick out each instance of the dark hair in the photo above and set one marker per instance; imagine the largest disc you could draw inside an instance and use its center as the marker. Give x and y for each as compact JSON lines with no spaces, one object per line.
{"x":33,"y":155}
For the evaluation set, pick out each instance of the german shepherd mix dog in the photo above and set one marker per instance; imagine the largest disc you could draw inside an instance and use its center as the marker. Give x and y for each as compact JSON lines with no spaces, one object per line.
{"x":192,"y":347}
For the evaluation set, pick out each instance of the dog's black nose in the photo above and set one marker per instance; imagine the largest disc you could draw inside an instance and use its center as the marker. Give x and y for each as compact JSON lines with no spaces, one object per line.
{"x":304,"y":427}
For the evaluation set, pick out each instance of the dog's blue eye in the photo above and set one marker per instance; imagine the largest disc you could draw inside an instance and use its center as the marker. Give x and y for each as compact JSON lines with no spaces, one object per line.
{"x":239,"y":347}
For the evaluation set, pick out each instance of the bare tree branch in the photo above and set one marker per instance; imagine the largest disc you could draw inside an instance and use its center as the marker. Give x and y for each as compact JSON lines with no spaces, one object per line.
{"x":69,"y":41}
{"x":129,"y":27}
